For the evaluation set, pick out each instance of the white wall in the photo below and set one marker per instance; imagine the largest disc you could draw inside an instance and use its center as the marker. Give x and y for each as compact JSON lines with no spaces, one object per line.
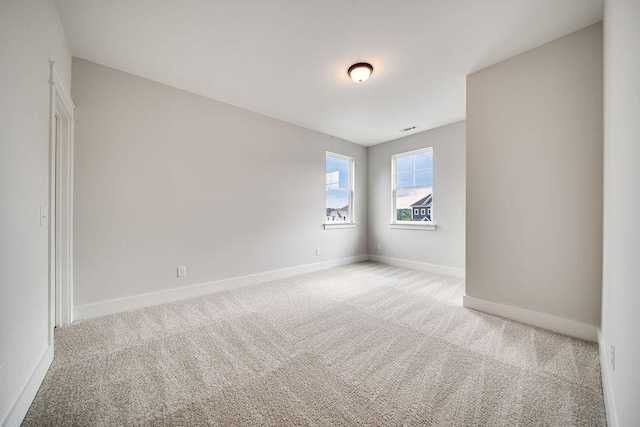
{"x":621,"y":271}
{"x":165,"y":178}
{"x":534,"y":179}
{"x":30,"y":36}
{"x":443,"y":247}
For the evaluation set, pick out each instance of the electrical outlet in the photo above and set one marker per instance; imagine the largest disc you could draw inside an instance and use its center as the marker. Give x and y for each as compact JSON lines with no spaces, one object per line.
{"x":613,"y":357}
{"x":317,"y":251}
{"x":379,"y":246}
{"x":182,"y":271}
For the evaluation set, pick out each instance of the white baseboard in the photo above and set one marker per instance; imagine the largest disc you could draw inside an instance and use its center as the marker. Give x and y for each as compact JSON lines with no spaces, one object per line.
{"x":542,"y":320}
{"x":612,"y":418}
{"x":416,"y":265}
{"x":28,"y":393}
{"x":145,"y":300}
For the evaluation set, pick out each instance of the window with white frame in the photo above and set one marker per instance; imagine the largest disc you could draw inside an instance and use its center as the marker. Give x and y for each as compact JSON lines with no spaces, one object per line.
{"x":339,"y":188}
{"x":412,"y":176}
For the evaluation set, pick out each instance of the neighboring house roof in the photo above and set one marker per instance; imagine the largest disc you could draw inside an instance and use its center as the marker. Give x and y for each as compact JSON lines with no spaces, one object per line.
{"x":346,"y":209}
{"x":424,"y":202}
{"x":342,"y":213}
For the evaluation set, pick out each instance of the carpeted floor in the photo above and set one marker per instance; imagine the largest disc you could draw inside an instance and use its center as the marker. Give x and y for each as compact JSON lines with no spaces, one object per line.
{"x":364,"y":344}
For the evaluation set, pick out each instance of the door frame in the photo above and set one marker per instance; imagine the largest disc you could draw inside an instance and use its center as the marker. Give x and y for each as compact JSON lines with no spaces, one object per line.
{"x":60,"y":203}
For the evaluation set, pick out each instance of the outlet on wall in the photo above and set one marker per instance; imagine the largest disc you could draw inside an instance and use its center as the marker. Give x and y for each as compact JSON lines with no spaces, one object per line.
{"x":317,"y":251}
{"x":613,"y":357}
{"x":182,"y":271}
{"x":379,"y":246}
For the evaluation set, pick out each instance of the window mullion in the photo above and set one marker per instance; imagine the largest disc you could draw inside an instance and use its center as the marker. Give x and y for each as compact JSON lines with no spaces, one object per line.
{"x":414,"y":170}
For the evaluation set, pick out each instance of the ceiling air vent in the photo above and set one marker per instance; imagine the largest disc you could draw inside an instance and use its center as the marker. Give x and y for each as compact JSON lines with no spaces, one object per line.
{"x":407,"y":129}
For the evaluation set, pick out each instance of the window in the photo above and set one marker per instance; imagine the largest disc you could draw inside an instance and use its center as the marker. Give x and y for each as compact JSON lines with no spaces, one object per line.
{"x":412,"y":186}
{"x":339,"y":189}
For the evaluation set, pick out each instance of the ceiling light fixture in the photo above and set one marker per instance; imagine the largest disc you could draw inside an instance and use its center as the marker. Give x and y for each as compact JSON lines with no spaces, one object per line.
{"x":360,"y":72}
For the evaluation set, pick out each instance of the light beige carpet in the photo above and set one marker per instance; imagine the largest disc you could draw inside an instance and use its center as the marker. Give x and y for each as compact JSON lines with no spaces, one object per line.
{"x":364,"y":344}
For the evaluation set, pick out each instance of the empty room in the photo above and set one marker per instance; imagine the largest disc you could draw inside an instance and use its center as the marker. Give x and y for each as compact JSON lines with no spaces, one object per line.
{"x":319,"y":213}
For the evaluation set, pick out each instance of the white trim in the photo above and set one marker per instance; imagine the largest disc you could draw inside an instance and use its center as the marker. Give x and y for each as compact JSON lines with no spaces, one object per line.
{"x":340,"y":156}
{"x":542,"y":320}
{"x":62,"y":92}
{"x":22,"y":403}
{"x":609,"y":404}
{"x":139,"y":301}
{"x":61,"y":198}
{"x":414,"y":152}
{"x":417,"y":265}
{"x":337,"y":225}
{"x":419,"y":225}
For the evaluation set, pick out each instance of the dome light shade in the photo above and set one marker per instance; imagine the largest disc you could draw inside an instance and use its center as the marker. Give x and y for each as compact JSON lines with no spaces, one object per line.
{"x":360,"y":72}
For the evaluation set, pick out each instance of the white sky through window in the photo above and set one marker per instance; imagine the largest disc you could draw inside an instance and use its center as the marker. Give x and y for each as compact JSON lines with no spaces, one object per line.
{"x":337,"y":180}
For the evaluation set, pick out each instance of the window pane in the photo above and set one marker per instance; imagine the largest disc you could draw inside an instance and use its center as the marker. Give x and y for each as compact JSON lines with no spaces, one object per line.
{"x":424,"y":177}
{"x":424,"y":160}
{"x":404,"y":164}
{"x":404,"y":179}
{"x":409,"y":204}
{"x":333,"y":179}
{"x":337,"y":206}
{"x":337,"y":171}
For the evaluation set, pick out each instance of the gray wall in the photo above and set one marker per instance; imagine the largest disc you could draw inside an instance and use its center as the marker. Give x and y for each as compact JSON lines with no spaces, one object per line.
{"x":445,"y":246}
{"x":30,"y":35}
{"x":534,"y":179}
{"x":621,"y":275}
{"x":165,"y":178}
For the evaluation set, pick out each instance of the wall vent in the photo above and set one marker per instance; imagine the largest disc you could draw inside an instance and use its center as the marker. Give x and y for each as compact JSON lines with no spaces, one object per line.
{"x":408,"y":129}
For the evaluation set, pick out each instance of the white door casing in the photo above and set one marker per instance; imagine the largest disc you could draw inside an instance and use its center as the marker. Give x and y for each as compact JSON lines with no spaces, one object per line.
{"x":60,"y":204}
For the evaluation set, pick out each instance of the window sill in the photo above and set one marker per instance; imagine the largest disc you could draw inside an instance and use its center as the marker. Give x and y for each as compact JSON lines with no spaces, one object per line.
{"x":417,"y":226}
{"x":331,"y":226}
